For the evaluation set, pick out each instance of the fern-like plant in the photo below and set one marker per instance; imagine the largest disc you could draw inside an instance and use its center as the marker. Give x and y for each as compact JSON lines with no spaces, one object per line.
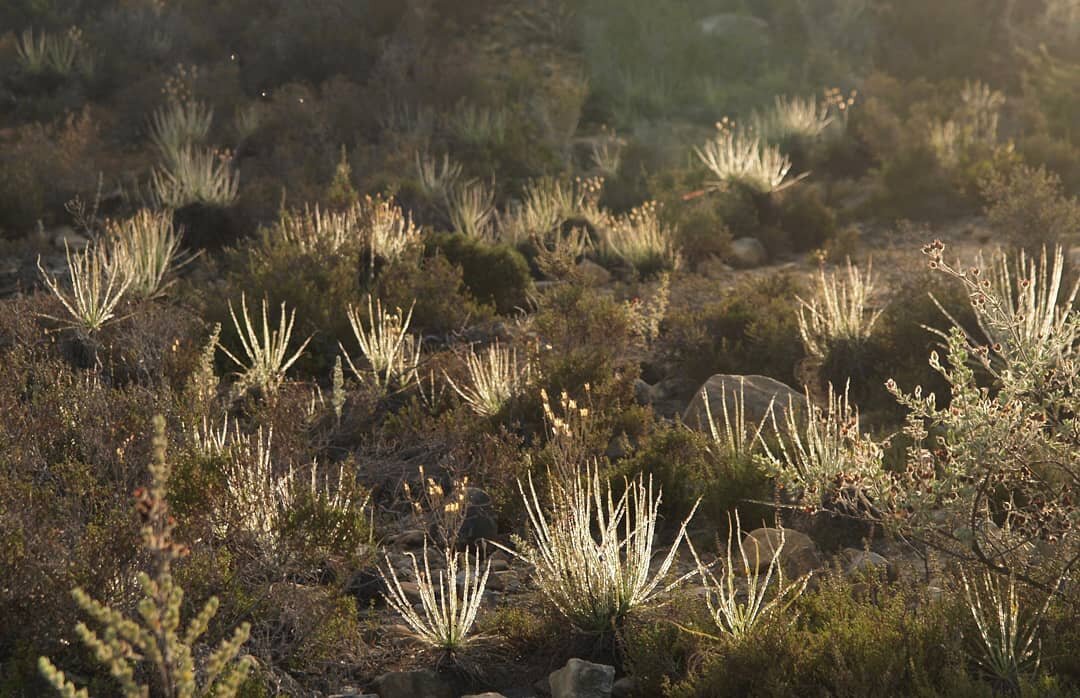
{"x":156,"y":636}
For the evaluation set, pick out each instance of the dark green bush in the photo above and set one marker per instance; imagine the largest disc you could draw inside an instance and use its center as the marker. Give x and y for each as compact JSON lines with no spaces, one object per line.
{"x":687,"y":465}
{"x":809,"y":223}
{"x":585,"y":338}
{"x":748,"y":329}
{"x":443,"y":301}
{"x":843,"y":639}
{"x":495,"y":275}
{"x":1027,"y":208}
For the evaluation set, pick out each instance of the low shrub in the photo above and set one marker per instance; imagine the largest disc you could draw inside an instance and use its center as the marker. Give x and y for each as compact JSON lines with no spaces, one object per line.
{"x":495,"y":275}
{"x":749,"y":329}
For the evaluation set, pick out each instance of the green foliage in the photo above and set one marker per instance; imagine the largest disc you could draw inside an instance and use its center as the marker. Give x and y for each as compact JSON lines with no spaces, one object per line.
{"x":586,"y":337}
{"x":703,"y":232}
{"x":1028,"y":208}
{"x":319,"y":288}
{"x":809,"y":223}
{"x":688,"y":467}
{"x":443,"y":301}
{"x":157,"y":638}
{"x":749,"y":329}
{"x":495,"y":275}
{"x":837,"y":642}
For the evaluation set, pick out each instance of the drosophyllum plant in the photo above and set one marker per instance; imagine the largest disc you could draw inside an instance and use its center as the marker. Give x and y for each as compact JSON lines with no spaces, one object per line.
{"x":472,"y":207}
{"x":195,"y":174}
{"x":735,"y":439}
{"x":839,"y":311}
{"x":593,"y":554}
{"x":824,"y":457}
{"x":735,"y":158}
{"x":1008,"y":647}
{"x":146,"y":249}
{"x":97,"y":287}
{"x":179,"y":124}
{"x":734,"y":612}
{"x":1022,"y":312}
{"x":495,"y":378}
{"x":641,"y":239}
{"x":266,"y":352}
{"x":392,"y":353}
{"x":448,"y":608}
{"x":793,"y":118}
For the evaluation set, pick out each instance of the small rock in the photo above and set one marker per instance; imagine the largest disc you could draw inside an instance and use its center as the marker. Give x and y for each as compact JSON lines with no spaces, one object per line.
{"x":65,"y":235}
{"x":747,"y":253}
{"x":581,"y":679}
{"x":760,"y":396}
{"x":799,"y":555}
{"x":366,"y":586}
{"x":860,"y":562}
{"x":489,"y":694}
{"x":412,"y":684}
{"x":413,"y":538}
{"x":624,"y":687}
{"x":592,"y":273}
{"x":479,"y":521}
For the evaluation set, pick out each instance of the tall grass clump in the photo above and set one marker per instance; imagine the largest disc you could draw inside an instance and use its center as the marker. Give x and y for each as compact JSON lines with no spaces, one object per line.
{"x":59,"y":54}
{"x":1007,"y":634}
{"x":178,"y":125}
{"x":437,"y":178}
{"x":472,"y":208}
{"x":146,"y":249}
{"x":495,"y":378}
{"x":259,"y":502}
{"x":736,"y":611}
{"x":641,"y":239}
{"x":796,"y":117}
{"x":824,"y":457}
{"x":1023,"y":308}
{"x":447,"y":608}
{"x":392,"y":353}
